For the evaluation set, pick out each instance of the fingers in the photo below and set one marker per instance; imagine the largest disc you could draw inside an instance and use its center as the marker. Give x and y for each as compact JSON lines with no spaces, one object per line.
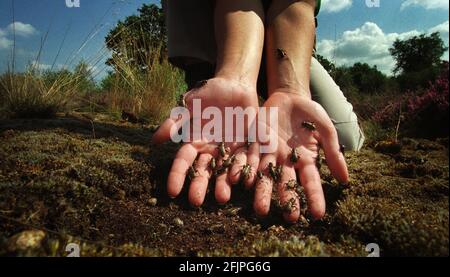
{"x":223,"y":189}
{"x":163,"y":133}
{"x":183,"y":160}
{"x":335,"y":158}
{"x":310,"y":180}
{"x":253,"y":155}
{"x":199,"y":184}
{"x":238,"y":165}
{"x":288,"y":197}
{"x":263,"y":191}
{"x":223,"y":186}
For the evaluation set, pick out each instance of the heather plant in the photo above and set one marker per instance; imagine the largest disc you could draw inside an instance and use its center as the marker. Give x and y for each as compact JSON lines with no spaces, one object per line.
{"x":424,"y":113}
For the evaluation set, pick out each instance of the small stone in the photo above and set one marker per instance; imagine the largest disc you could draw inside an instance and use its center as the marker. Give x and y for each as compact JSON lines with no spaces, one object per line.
{"x":177,"y":221}
{"x":121,"y":194}
{"x":26,"y":240}
{"x":153,"y":201}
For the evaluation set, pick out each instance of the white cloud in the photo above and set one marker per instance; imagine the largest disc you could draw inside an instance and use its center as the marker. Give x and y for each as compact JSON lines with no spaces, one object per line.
{"x":427,"y":4}
{"x":5,"y":43}
{"x":21,"y":29}
{"x":369,"y":44}
{"x":441,"y":28}
{"x":333,"y":6}
{"x":41,"y":66}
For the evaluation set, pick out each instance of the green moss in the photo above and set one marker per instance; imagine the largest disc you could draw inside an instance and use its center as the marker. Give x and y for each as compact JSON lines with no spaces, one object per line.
{"x":55,"y":175}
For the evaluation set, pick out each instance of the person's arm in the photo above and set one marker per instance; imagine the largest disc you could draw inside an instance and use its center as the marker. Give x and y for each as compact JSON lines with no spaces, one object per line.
{"x":290,"y":31}
{"x":305,"y":127}
{"x":239,"y":28}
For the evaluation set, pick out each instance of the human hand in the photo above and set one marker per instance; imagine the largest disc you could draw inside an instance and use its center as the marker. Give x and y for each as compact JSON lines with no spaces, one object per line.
{"x":305,"y":127}
{"x":195,"y":158}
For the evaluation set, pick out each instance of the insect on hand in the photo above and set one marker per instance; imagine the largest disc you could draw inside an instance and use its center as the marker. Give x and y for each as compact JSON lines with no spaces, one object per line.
{"x":192,"y":172}
{"x":281,"y":54}
{"x":246,"y":170}
{"x":275,"y":171}
{"x":226,"y":164}
{"x":289,"y":206}
{"x":292,"y":184}
{"x":260,"y":174}
{"x":222,"y":149}
{"x":309,"y":125}
{"x":212,"y":164}
{"x":294,"y":155}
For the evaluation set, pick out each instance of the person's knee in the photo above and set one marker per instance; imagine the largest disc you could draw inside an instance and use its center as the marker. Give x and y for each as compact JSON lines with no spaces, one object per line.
{"x":350,"y":135}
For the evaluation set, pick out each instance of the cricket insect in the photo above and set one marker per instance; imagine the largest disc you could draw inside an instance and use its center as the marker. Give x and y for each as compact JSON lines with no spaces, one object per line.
{"x":212,"y":164}
{"x":275,"y":171}
{"x":182,"y":101}
{"x":222,"y":149}
{"x":260,"y":174}
{"x":246,"y":170}
{"x":319,"y":161}
{"x":292,"y":184}
{"x":289,"y":206}
{"x":281,"y":54}
{"x":226,"y":164}
{"x":294,"y":155}
{"x":192,"y":172}
{"x":309,"y":125}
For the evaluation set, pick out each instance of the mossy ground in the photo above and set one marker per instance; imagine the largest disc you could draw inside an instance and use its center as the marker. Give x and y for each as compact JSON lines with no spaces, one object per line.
{"x":87,"y":179}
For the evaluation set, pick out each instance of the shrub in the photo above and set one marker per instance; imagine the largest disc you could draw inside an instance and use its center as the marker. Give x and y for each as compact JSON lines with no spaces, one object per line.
{"x":42,"y":94}
{"x":423,"y":114}
{"x":149,"y":91}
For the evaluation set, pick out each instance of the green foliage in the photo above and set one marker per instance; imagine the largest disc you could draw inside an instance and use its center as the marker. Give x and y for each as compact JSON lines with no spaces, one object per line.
{"x":133,"y":37}
{"x":43,"y":94}
{"x":328,"y":65}
{"x":418,"y":60}
{"x":85,"y":79}
{"x":360,"y":78}
{"x":149,"y":93}
{"x":368,"y":78}
{"x":417,"y":53}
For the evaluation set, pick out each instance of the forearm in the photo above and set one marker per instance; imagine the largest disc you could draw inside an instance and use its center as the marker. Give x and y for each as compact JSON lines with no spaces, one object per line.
{"x":291,"y":29}
{"x":239,"y":27}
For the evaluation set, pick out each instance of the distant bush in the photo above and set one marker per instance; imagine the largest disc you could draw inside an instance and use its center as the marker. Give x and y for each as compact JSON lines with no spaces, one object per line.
{"x":147,"y":91}
{"x":43,"y":94}
{"x":423,"y":114}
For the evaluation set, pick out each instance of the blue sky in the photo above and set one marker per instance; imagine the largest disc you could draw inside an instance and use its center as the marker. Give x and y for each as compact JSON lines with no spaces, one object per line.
{"x":349,"y":30}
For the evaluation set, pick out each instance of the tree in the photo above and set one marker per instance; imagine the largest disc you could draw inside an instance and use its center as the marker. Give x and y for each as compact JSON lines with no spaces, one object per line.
{"x":418,"y":60}
{"x":417,"y":53}
{"x":329,"y":66}
{"x":367,"y":78}
{"x":133,"y":38}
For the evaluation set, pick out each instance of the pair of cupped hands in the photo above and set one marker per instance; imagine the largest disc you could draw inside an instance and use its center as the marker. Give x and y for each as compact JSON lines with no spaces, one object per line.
{"x":303,"y":128}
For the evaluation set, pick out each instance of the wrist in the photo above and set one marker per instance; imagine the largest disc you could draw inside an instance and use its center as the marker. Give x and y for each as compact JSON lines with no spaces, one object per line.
{"x":297,"y":90}
{"x":242,"y":78}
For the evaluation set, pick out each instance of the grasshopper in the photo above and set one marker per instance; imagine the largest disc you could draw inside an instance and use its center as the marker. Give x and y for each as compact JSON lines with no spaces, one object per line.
{"x":246,"y":170}
{"x":294,"y":155}
{"x":192,"y":172}
{"x":309,"y":125}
